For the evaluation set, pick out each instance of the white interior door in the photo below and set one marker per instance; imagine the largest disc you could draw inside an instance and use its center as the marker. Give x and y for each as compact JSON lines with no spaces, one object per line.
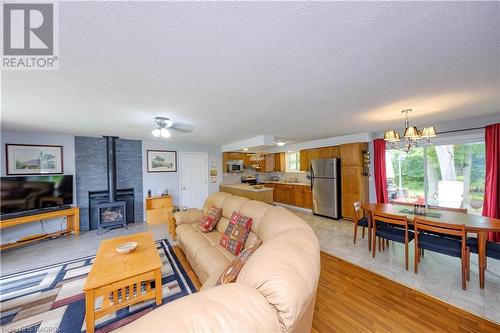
{"x":194,"y":179}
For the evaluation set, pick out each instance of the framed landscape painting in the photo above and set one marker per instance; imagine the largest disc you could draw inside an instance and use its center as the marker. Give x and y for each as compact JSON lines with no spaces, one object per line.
{"x":162,"y":161}
{"x":24,"y":159}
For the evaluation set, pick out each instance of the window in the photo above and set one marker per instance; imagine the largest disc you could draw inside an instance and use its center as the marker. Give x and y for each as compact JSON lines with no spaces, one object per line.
{"x":450,"y":175}
{"x":293,"y":161}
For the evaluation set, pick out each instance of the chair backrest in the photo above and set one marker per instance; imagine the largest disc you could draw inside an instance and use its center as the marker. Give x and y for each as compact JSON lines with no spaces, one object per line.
{"x":422,"y":224}
{"x":358,"y":213}
{"x":450,"y":209}
{"x":450,"y":193}
{"x":389,"y":218}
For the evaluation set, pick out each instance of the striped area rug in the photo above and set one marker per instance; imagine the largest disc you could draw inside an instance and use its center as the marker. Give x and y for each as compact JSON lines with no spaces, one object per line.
{"x":50,"y":299}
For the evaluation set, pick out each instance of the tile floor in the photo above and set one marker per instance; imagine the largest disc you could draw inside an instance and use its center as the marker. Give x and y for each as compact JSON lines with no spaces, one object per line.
{"x":438,"y":276}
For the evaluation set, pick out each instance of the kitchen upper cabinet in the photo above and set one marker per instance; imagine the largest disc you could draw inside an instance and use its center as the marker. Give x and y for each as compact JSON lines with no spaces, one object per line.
{"x":269,"y":163}
{"x":304,"y":160}
{"x":279,"y":162}
{"x":354,"y":182}
{"x":316,"y":154}
{"x":352,"y":154}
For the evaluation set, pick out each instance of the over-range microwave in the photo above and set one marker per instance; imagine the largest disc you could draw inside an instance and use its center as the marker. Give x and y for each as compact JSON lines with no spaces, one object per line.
{"x":235,"y":166}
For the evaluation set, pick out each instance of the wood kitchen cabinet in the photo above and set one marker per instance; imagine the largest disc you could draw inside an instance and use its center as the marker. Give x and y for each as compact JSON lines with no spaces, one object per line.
{"x":279,"y":162}
{"x":304,"y":160}
{"x":302,"y":196}
{"x":284,"y":194}
{"x":354,"y":183}
{"x":273,"y":186}
{"x":316,"y":154}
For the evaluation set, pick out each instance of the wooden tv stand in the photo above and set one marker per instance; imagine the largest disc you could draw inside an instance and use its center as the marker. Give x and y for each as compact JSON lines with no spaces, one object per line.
{"x":73,"y":225}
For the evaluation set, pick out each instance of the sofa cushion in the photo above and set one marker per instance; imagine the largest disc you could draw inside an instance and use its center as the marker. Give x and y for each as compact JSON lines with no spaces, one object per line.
{"x":216,"y":200}
{"x":278,"y":219}
{"x":190,"y":239}
{"x":210,"y":260}
{"x":256,"y":210}
{"x":210,"y":219}
{"x":232,"y":204}
{"x":285,"y":269}
{"x":222,"y":225}
{"x":226,"y":309}
{"x":236,"y":234}
{"x":231,"y":272}
{"x":213,"y":237}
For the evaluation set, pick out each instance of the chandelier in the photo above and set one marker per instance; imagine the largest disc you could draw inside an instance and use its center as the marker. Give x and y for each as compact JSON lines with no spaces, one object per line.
{"x":257,"y":157}
{"x":410,"y":135}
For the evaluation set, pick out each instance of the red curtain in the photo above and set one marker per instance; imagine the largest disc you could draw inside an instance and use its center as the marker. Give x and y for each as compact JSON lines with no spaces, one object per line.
{"x":380,"y":171}
{"x":491,"y":206}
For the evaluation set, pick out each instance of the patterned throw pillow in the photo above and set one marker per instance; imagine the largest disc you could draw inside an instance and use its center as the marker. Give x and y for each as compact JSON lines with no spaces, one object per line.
{"x":233,"y":239}
{"x":234,"y":268}
{"x":209,"y":220}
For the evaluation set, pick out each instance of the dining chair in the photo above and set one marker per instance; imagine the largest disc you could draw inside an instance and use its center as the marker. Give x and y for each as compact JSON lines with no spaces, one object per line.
{"x":492,"y":251}
{"x":429,"y":236}
{"x":360,"y":220}
{"x":391,"y":227}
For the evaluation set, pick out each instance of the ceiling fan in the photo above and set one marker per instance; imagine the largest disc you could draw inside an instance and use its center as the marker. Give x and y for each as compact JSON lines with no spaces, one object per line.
{"x":164,"y":125}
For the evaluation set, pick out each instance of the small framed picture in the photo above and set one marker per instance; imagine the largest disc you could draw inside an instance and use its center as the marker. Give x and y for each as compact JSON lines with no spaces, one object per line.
{"x":162,"y":160}
{"x":23,"y":159}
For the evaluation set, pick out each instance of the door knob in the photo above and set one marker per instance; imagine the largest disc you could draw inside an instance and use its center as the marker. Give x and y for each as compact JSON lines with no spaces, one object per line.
{"x":183,"y":188}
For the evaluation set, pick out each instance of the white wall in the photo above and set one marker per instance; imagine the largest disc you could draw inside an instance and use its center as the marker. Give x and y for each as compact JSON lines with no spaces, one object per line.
{"x":160,"y":181}
{"x":68,"y":143}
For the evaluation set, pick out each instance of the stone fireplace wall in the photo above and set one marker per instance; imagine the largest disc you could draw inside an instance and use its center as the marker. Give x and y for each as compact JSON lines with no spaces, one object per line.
{"x":91,"y":172}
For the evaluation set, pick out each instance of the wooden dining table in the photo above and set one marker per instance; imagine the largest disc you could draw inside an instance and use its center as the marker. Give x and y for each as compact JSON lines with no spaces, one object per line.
{"x":477,"y":224}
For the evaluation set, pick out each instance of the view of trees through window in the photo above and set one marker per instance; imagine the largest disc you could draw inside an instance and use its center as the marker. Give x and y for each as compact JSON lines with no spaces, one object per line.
{"x":441,"y":175}
{"x":293,"y":161}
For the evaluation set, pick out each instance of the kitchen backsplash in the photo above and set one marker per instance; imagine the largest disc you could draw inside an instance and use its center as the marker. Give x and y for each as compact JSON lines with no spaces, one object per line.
{"x":263,"y":176}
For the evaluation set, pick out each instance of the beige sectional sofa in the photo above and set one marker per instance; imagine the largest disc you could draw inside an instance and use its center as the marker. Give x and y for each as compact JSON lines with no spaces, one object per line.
{"x":274,"y":292}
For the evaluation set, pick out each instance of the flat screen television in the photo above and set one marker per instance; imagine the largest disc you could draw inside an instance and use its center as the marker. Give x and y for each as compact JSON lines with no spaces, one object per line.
{"x":28,"y":194}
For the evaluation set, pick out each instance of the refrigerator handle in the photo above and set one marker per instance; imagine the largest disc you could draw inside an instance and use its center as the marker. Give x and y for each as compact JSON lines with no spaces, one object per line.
{"x":312,"y":176}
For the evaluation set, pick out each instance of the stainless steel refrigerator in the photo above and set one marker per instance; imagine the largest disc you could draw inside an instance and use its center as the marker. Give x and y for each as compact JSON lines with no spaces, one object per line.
{"x":325,"y":183}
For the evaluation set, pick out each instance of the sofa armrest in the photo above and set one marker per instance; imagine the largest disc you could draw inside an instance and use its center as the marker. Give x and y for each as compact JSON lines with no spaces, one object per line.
{"x":232,"y":307}
{"x":192,"y":215}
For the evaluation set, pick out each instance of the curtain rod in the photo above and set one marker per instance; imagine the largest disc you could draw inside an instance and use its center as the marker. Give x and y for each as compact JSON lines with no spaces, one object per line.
{"x":461,"y":130}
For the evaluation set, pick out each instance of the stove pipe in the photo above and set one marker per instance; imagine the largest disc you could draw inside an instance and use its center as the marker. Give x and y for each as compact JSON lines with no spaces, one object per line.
{"x":111,"y":162}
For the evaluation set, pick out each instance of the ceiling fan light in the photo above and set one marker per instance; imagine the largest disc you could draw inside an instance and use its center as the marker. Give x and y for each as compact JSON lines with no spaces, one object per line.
{"x":411,"y":133}
{"x":429,"y":132}
{"x":280,"y":143}
{"x":156,"y":132}
{"x":165,"y":133}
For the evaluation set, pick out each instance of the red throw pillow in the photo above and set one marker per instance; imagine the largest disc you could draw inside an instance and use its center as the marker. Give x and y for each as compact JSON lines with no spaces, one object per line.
{"x":234,"y":268}
{"x":209,"y":220}
{"x":235,"y":236}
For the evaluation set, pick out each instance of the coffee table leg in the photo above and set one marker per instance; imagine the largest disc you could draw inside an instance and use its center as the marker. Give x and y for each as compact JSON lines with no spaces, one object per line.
{"x":158,"y":287}
{"x":90,"y":310}
{"x":481,"y":253}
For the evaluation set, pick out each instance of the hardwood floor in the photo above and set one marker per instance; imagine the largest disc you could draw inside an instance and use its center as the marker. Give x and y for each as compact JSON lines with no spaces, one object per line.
{"x":352,"y":299}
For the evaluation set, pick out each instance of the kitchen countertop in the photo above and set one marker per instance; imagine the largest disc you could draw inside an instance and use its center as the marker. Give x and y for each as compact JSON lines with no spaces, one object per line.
{"x":246,"y":187}
{"x":284,"y":183}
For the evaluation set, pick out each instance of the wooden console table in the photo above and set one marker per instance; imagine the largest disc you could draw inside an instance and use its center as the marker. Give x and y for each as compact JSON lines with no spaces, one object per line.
{"x":158,"y":209}
{"x":73,"y":225}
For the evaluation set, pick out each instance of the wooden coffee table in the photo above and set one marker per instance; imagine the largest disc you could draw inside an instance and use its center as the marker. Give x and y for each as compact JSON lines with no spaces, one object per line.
{"x":122,"y":279}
